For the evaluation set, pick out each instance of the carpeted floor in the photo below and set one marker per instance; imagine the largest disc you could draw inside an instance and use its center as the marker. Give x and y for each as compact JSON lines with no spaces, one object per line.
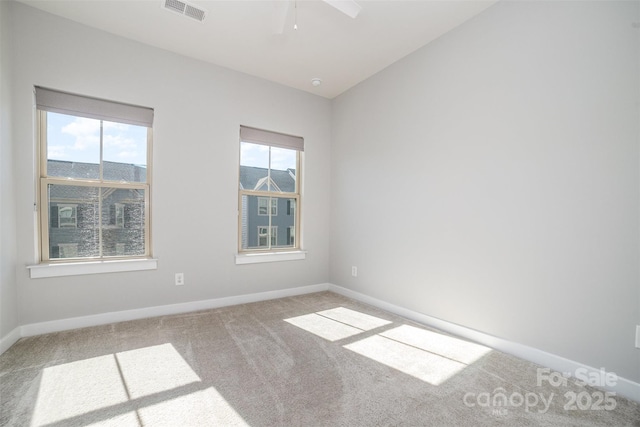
{"x":311,"y":360}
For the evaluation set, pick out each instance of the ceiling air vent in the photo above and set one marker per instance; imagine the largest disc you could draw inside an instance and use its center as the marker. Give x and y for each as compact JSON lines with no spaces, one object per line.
{"x":184,"y":8}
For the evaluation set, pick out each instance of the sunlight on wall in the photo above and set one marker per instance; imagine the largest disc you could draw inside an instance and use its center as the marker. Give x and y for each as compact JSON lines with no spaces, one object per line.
{"x":147,"y":386}
{"x":429,"y":356}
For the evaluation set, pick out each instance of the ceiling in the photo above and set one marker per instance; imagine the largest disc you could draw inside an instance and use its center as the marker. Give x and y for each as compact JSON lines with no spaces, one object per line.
{"x":241,"y":35}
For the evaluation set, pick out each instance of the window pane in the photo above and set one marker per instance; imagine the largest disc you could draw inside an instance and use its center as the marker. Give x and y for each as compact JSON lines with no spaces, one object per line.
{"x":124,"y":152}
{"x":255,"y":231}
{"x":254,"y":165}
{"x":264,"y":168}
{"x":73,"y":146}
{"x":73,"y":221}
{"x":82,"y":220}
{"x":254,"y":226}
{"x":286,"y":224}
{"x":283,"y":170}
{"x":123,"y":222}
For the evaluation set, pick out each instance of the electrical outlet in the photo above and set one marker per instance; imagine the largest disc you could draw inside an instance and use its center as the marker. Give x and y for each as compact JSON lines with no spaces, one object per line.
{"x":354,"y":271}
{"x":179,"y":279}
{"x":637,"y":336}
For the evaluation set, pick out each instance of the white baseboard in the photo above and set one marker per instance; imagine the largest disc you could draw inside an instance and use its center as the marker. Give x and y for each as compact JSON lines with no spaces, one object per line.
{"x":10,"y":339}
{"x":163,"y":310}
{"x":622,"y":387}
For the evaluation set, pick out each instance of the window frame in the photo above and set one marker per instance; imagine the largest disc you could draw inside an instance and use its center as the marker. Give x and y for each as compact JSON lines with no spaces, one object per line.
{"x":43,"y":198}
{"x":274,"y":195}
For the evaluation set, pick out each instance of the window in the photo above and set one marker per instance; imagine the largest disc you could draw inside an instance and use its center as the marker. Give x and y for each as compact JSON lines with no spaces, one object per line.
{"x":291,"y":236}
{"x":67,"y":216}
{"x":119,"y":215}
{"x":263,"y":203}
{"x":264,"y":236}
{"x":269,"y":182}
{"x":95,"y":177}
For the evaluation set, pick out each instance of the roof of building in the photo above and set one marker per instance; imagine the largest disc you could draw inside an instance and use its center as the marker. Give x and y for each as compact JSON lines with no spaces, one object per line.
{"x":251,"y":178}
{"x":112,"y":171}
{"x":254,"y":178}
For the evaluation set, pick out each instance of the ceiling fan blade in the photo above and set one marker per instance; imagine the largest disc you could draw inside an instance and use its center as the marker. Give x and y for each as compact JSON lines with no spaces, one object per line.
{"x":280,"y":12}
{"x":348,"y":7}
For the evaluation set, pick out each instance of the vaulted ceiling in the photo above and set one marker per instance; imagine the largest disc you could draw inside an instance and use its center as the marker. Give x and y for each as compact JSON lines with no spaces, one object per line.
{"x":244,"y":35}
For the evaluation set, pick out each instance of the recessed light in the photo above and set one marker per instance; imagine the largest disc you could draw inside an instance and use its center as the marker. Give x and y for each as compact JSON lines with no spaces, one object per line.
{"x":316,"y":82}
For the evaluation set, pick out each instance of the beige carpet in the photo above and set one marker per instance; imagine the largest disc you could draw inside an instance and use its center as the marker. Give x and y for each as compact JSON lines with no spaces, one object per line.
{"x":312,"y":360}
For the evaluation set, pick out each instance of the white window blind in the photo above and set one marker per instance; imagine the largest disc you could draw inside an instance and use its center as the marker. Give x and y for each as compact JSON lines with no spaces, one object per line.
{"x":274,"y":139}
{"x":93,"y":108}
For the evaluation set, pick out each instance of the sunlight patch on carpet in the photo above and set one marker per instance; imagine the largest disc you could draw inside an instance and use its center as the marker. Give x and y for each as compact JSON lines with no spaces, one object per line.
{"x":354,"y":318}
{"x":75,"y":388}
{"x":151,"y":385}
{"x":444,"y":345}
{"x":154,"y":369}
{"x":418,"y":363}
{"x":202,"y":408}
{"x":429,"y":356}
{"x":337,"y":323}
{"x":323,"y":327}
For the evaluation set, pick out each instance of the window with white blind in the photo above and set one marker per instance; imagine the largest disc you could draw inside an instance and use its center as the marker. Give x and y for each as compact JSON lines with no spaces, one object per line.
{"x":269,"y":182}
{"x":95,"y":178}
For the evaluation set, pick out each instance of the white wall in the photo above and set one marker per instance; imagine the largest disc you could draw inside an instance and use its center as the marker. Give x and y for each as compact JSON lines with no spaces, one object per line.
{"x":198,"y":111}
{"x":491,"y":179}
{"x":8,"y":295}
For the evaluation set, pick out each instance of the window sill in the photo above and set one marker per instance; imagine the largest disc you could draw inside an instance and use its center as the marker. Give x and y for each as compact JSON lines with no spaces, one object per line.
{"x":90,"y":267}
{"x":270,"y":257}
